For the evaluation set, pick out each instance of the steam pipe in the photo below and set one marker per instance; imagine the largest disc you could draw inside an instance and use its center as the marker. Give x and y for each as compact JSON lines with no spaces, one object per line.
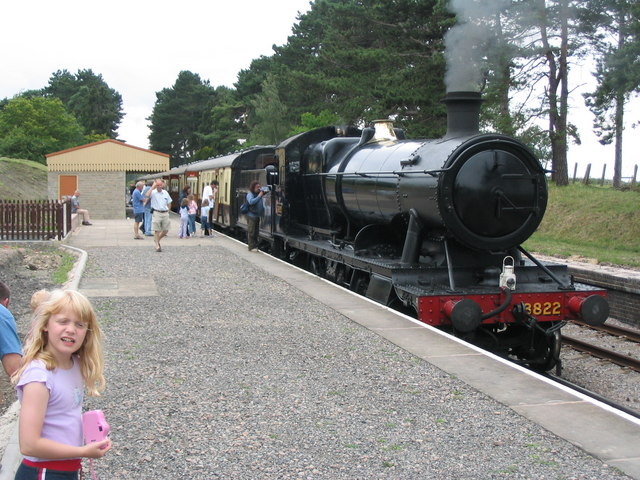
{"x":452,"y":282}
{"x":411,"y":249}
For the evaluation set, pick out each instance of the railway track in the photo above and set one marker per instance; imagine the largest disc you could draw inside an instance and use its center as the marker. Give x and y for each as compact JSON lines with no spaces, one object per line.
{"x":592,"y":394}
{"x":631,"y":335}
{"x":602,"y":353}
{"x":606,"y":354}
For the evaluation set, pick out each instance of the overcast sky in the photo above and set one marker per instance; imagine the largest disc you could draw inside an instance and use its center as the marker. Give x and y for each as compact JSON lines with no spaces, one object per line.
{"x":139,"y":46}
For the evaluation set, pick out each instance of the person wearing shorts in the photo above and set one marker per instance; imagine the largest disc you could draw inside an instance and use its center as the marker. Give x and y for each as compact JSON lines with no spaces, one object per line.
{"x":138,"y":201}
{"x":160,"y":204}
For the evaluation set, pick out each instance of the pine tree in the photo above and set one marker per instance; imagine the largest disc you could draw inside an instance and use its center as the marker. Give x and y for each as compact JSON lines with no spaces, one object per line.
{"x":178,"y":117}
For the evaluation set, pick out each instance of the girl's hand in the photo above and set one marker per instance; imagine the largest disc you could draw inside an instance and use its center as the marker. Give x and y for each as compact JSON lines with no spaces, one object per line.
{"x":97,"y":449}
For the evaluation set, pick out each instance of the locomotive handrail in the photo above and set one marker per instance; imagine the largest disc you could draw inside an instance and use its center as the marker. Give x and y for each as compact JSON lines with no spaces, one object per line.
{"x":392,"y":172}
{"x":563,"y":286}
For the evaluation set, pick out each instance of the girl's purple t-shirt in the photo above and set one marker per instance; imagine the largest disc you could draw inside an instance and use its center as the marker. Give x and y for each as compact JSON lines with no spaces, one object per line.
{"x":63,"y":418}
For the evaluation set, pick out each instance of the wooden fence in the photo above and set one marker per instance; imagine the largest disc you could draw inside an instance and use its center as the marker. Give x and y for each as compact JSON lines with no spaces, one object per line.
{"x":587,"y":175}
{"x":34,"y":220}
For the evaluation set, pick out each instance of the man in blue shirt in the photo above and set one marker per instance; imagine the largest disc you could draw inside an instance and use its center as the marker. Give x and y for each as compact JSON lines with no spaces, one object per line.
{"x":138,"y":201}
{"x":10,"y":347}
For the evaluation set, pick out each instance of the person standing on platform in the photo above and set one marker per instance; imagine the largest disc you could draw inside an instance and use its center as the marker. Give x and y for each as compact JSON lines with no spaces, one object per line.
{"x":184,"y":218}
{"x":256,"y":210}
{"x":184,"y":193}
{"x":212,"y":204}
{"x":160,"y":204}
{"x":148,"y":230}
{"x":138,"y":201}
{"x":208,"y":193}
{"x":10,"y":347}
{"x":193,"y":213}
{"x":75,"y":208}
{"x":204,"y":218}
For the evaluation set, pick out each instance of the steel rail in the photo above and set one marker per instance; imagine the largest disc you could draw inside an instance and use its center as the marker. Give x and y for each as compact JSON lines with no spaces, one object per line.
{"x":617,"y":358}
{"x":592,"y":394}
{"x":631,"y":335}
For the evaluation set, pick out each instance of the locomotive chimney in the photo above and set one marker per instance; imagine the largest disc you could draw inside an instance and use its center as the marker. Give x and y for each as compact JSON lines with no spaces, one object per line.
{"x":463,"y":113}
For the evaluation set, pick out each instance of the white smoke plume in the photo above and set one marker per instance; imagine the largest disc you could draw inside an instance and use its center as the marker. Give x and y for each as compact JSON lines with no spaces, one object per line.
{"x":467,"y":41}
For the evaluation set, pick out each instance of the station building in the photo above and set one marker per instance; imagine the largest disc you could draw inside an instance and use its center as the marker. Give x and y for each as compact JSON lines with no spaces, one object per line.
{"x":99,"y":171}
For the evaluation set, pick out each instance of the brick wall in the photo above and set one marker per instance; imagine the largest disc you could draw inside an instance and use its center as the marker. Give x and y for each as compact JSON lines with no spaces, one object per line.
{"x":102,"y":193}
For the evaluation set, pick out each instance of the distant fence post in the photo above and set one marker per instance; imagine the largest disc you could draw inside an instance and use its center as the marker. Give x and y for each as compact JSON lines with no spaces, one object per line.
{"x":587,"y":174}
{"x":635,"y":174}
{"x":575,"y":172}
{"x":604,"y":170}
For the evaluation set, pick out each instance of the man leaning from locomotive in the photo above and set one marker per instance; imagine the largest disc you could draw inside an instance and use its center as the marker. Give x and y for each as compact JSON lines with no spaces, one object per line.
{"x":160,"y":203}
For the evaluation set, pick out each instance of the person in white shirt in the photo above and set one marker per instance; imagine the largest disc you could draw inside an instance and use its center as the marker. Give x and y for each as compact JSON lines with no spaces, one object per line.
{"x":207,"y":193}
{"x":160,"y":203}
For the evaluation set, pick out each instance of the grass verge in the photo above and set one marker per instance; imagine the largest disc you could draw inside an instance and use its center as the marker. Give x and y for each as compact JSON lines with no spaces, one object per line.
{"x":61,"y":274}
{"x":593,"y":222}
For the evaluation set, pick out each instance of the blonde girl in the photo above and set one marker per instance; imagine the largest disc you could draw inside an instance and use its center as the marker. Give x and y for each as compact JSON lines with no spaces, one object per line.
{"x":62,"y":359}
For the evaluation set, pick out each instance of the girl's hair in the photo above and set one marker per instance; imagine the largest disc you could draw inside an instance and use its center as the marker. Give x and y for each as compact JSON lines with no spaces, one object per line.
{"x":185,"y":202}
{"x":252,"y":186}
{"x":205,"y":202}
{"x":90,"y":353}
{"x":190,"y":196}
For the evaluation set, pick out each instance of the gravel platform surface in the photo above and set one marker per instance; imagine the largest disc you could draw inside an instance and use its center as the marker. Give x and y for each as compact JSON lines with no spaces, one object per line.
{"x":232,"y":373}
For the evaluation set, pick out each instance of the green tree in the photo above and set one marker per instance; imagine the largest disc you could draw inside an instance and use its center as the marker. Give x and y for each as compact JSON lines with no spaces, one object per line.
{"x":536,"y":41}
{"x":33,"y":127}
{"x":556,"y":38}
{"x":360,"y":61}
{"x":309,"y":121}
{"x":503,"y":42}
{"x":87,"y":96}
{"x":617,"y":46}
{"x":270,"y":123}
{"x":224,"y":125}
{"x":179,"y":117}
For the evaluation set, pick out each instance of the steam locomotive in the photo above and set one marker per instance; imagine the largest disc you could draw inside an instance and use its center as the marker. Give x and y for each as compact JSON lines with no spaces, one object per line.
{"x":430,"y":227}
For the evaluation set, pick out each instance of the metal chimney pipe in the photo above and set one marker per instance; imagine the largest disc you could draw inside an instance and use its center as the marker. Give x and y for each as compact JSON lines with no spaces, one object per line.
{"x":463,"y":113}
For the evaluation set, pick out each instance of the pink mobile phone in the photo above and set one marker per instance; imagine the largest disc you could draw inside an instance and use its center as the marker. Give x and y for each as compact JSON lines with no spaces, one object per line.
{"x":94,"y":426}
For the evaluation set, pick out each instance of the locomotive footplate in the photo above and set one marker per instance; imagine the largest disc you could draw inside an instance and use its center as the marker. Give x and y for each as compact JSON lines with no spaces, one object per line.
{"x":427,"y":289}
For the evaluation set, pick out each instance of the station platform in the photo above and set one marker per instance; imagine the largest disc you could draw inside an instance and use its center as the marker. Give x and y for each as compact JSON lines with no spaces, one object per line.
{"x":225,"y":363}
